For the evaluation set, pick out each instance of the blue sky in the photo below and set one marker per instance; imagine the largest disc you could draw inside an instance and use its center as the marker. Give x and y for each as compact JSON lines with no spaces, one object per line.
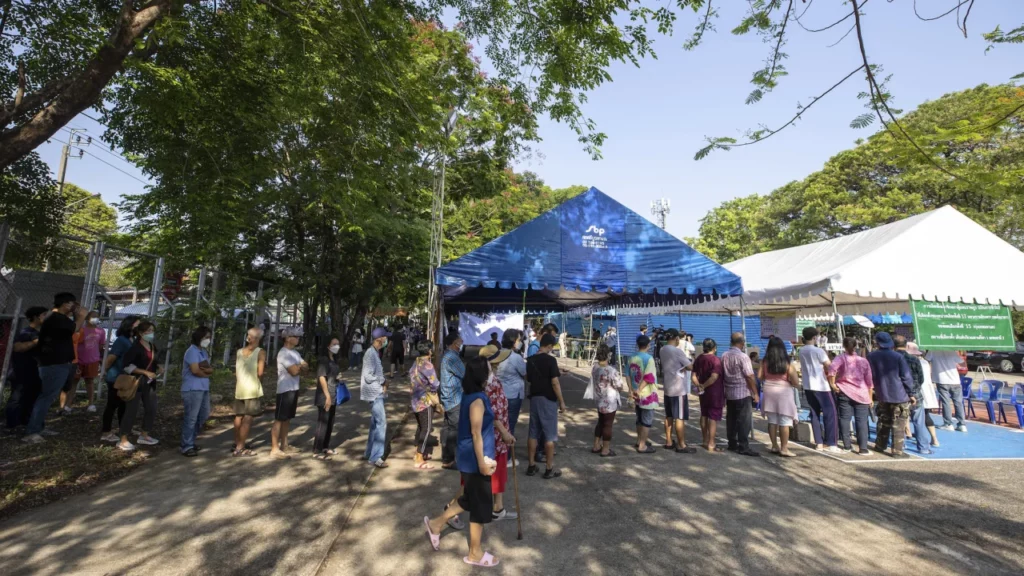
{"x":657,"y":116}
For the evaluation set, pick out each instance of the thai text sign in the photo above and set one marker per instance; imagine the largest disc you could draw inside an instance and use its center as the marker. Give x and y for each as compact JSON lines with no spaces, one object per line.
{"x":959,"y":326}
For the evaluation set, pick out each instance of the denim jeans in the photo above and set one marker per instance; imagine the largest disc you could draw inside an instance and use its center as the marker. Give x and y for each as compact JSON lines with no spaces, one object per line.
{"x":514,"y":406}
{"x":852,"y":410}
{"x":355,"y":360}
{"x":917,"y":424}
{"x":952,"y":396}
{"x":378,"y":431}
{"x":197,"y":410}
{"x":53,"y":380}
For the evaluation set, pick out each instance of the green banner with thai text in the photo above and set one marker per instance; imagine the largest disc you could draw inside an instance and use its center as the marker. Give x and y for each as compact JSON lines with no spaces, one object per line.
{"x":959,"y":326}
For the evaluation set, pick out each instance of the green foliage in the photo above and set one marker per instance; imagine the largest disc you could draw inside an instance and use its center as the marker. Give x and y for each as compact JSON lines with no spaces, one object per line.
{"x":473,"y":222}
{"x":979,"y":132}
{"x":28,"y":197}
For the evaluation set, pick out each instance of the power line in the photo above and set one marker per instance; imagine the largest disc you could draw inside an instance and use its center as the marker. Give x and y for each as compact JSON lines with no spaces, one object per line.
{"x":111,"y":152}
{"x":118,"y":169}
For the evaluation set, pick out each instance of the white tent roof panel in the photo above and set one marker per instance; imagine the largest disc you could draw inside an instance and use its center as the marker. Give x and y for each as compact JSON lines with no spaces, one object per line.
{"x":940,"y":255}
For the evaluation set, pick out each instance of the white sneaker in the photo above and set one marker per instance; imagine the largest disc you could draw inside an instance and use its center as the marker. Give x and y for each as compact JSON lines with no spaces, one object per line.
{"x":91,"y":408}
{"x":949,"y":427}
{"x":961,"y":428}
{"x":33,"y":439}
{"x":147,"y":441}
{"x":127,"y":446}
{"x":110,"y":437}
{"x":48,"y":432}
{"x":66,"y":410}
{"x":503,"y":515}
{"x":834,"y":450}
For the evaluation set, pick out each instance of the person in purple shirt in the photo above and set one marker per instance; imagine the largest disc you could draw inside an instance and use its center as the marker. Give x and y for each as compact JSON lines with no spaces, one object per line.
{"x":894,"y":390}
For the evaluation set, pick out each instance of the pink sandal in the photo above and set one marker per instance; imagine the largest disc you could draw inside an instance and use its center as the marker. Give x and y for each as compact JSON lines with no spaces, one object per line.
{"x":435,"y":539}
{"x":487,"y":561}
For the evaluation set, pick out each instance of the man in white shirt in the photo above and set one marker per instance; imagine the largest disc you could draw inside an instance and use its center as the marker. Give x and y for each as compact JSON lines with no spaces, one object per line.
{"x":674,"y":363}
{"x":824,"y":422}
{"x":947,"y":385}
{"x":289,"y":365}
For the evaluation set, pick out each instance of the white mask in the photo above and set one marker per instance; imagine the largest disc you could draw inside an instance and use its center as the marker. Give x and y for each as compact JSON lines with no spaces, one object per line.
{"x":519,"y":345}
{"x":334,"y":349}
{"x":94,"y":321}
{"x":205,"y":343}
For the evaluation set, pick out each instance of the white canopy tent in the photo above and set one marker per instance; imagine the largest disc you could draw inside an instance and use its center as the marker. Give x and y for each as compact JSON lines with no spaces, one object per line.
{"x":940,"y":255}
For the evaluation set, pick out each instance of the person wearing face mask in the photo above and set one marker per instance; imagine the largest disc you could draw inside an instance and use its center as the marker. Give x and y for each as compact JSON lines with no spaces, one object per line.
{"x":56,"y":360}
{"x":452,"y":371}
{"x":328,"y":373}
{"x":195,"y":390}
{"x":89,"y":342}
{"x":512,"y":373}
{"x":289,"y":365}
{"x":373,"y":388}
{"x":424,"y":401}
{"x":112,"y":368}
{"x":141,"y":360}
{"x":25,"y":385}
{"x":250,"y":362}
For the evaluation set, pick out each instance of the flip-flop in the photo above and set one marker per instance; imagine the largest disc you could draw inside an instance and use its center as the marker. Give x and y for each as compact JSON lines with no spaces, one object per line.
{"x":787,"y":454}
{"x":330,"y":452}
{"x":424,"y":466}
{"x":281,"y":455}
{"x":322,"y":456}
{"x":247,"y":453}
{"x":716,"y":450}
{"x":455,"y":522}
{"x":598,"y":451}
{"x":648,"y":450}
{"x":609,"y":454}
{"x":686,"y":450}
{"x":668,"y":446}
{"x":774,"y":450}
{"x":448,"y":466}
{"x":487,"y":561}
{"x":435,"y":539}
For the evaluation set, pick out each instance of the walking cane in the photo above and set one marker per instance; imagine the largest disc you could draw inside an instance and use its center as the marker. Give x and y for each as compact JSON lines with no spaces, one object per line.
{"x":515,"y":486}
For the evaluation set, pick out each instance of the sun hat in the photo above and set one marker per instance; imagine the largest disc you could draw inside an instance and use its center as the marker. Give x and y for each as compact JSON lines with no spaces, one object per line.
{"x":380,"y":332}
{"x":495,"y":355}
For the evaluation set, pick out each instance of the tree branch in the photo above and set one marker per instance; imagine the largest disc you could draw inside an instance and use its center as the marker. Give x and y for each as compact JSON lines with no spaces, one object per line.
{"x":832,"y":25}
{"x":878,"y":100}
{"x":67,"y":97}
{"x":944,"y":14}
{"x":721,"y":143}
{"x":778,"y":43}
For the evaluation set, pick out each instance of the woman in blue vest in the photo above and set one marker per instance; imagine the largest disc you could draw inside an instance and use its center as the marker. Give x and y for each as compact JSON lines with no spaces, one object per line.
{"x":475,"y":457}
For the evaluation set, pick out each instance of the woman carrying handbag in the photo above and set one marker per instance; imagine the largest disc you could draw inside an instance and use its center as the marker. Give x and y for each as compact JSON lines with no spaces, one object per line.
{"x":142,"y":365}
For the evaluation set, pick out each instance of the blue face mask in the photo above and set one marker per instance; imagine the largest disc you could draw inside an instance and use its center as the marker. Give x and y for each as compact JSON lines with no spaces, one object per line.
{"x":149,"y":337}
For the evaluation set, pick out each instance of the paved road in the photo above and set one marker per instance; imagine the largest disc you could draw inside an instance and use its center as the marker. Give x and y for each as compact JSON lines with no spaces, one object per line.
{"x":656,"y":514}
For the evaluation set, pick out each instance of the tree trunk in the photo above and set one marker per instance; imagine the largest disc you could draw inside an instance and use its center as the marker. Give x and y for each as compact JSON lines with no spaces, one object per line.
{"x":64,"y":99}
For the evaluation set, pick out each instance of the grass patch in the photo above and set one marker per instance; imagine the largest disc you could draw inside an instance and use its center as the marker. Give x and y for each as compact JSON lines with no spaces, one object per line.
{"x":33,"y":475}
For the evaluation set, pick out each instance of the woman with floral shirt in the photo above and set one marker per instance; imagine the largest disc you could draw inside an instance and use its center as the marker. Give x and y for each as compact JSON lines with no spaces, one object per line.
{"x":606,"y":394}
{"x":424,"y":400}
{"x":502,"y":437}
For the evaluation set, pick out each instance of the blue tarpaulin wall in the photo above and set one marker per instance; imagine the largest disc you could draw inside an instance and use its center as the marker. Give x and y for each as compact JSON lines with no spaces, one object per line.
{"x":716,"y":326}
{"x":588,"y":250}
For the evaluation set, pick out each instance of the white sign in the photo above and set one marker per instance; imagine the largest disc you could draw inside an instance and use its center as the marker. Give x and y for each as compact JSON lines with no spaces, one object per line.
{"x":594,"y":238}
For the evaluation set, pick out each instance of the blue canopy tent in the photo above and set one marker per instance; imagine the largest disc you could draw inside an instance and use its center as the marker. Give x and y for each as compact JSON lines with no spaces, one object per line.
{"x":588,"y":252}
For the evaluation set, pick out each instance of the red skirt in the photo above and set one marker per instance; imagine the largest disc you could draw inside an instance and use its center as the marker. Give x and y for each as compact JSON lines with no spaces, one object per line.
{"x":500,"y":477}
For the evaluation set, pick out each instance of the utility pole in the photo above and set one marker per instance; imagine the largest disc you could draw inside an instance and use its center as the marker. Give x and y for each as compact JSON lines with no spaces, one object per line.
{"x":660,"y":209}
{"x":74,"y":141}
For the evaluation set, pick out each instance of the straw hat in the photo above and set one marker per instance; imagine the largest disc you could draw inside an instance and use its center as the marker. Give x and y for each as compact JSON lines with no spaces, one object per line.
{"x":494,"y":355}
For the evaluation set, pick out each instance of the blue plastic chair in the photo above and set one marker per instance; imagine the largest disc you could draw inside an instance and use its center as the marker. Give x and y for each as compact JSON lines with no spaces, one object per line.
{"x":965,"y":383}
{"x":990,"y":391}
{"x":1018,"y":403}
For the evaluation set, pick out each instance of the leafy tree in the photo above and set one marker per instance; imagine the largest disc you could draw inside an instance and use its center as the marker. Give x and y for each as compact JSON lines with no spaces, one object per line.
{"x":885,"y":179}
{"x":61,"y":57}
{"x":76,"y":213}
{"x":28,"y":197}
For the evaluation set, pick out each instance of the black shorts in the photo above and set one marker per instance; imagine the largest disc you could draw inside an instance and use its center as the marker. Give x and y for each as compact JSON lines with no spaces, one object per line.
{"x":398,"y":358}
{"x":476,"y":497}
{"x":677,"y":407}
{"x":287,"y":404}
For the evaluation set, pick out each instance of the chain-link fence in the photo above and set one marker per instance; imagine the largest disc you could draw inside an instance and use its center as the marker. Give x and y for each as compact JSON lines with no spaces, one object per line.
{"x":118,"y":283}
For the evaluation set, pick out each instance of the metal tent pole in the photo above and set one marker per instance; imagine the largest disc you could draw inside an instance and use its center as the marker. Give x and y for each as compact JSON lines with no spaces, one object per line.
{"x":836,"y":318}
